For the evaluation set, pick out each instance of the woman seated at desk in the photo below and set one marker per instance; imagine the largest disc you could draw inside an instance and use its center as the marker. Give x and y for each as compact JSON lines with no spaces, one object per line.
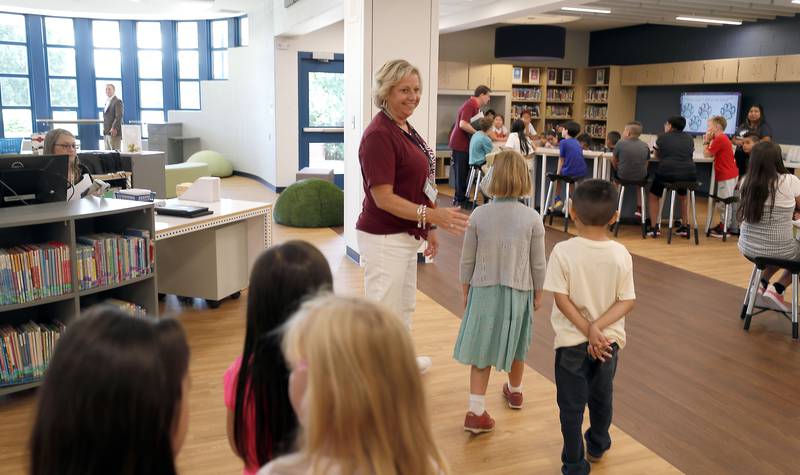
{"x":62,"y":142}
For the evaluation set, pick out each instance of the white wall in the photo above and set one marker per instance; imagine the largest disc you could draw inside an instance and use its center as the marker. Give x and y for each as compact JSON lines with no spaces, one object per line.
{"x":477,"y":46}
{"x":329,"y":40}
{"x":305,"y":16}
{"x":238,"y":115}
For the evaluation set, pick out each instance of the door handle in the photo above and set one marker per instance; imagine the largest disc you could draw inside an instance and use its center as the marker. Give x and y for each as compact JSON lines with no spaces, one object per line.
{"x":324,"y":130}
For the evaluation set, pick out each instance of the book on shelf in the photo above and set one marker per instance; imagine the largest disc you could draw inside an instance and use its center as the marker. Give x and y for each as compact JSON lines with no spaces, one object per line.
{"x":596,"y":112}
{"x":26,"y":350}
{"x":596,"y":130}
{"x":127,"y":307}
{"x":596,"y":94}
{"x":107,"y":258}
{"x":30,"y":272}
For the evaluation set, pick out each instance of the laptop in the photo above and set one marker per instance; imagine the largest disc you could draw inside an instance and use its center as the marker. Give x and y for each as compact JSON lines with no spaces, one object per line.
{"x":183,"y":211}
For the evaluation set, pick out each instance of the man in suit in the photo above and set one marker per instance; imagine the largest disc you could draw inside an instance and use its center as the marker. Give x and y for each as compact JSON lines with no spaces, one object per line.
{"x":112,"y":119}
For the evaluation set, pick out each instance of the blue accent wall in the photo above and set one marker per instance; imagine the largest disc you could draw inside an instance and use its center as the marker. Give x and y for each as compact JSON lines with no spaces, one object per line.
{"x":781,"y":103}
{"x":648,"y":44}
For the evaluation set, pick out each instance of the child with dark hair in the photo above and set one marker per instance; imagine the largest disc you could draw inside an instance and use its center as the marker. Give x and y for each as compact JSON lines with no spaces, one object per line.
{"x":589,"y":322}
{"x":675,"y":153}
{"x":570,"y":162}
{"x":585,"y":140}
{"x":517,"y":140}
{"x":261,"y":423}
{"x":611,"y":140}
{"x":770,"y":195}
{"x":551,"y":139}
{"x":114,"y":399}
{"x":480,"y":143}
{"x":742,"y":155}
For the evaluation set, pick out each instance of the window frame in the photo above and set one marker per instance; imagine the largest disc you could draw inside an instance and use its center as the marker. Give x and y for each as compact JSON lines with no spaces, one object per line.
{"x":180,"y":80}
{"x":27,"y":75}
{"x":47,"y":47}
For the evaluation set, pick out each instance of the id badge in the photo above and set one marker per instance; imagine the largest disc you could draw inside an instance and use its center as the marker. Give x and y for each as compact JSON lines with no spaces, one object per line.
{"x":430,"y":191}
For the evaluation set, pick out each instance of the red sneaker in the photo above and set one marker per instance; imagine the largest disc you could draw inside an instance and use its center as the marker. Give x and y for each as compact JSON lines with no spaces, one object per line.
{"x":478,"y":424}
{"x":514,"y":399}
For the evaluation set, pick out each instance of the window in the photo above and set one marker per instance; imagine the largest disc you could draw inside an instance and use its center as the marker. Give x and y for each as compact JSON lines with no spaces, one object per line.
{"x":15,"y":91}
{"x":188,"y":65}
{"x":59,"y":31}
{"x":61,"y":72}
{"x":151,"y":71}
{"x":107,"y":63}
{"x":244,"y":31}
{"x":219,"y":49}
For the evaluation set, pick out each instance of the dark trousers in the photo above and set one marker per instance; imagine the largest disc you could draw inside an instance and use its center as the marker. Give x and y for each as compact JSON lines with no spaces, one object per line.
{"x":580,"y":380}
{"x":461,"y":169}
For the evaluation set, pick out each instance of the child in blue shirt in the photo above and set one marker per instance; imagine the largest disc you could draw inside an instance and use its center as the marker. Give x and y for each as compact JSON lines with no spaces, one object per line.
{"x":570,"y":161}
{"x":480,"y":144}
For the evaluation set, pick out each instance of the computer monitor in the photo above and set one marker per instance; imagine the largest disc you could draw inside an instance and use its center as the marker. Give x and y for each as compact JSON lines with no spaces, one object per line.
{"x":33,"y":179}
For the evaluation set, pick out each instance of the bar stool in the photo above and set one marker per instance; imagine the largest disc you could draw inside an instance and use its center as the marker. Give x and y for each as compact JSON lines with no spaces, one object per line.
{"x":568,"y":180}
{"x":759,"y":264}
{"x":631,"y":183}
{"x":729,"y":201}
{"x":673,"y":188}
{"x":475,"y":175}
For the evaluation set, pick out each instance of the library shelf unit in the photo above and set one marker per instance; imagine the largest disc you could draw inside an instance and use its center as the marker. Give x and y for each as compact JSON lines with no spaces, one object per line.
{"x":607,"y":104}
{"x":64,"y":223}
{"x":527,"y":92}
{"x":560,"y":96}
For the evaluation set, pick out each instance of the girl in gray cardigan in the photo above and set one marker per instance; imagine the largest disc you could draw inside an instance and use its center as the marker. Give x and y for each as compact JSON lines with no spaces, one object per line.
{"x":502,"y":270}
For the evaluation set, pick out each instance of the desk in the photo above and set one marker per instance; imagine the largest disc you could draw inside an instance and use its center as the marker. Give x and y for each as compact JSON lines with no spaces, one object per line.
{"x":210,"y":257}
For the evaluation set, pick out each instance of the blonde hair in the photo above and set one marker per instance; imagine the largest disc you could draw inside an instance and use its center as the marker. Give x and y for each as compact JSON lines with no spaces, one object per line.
{"x":366,"y":408}
{"x":510,"y":176}
{"x":390,"y":74}
{"x":719,"y":120}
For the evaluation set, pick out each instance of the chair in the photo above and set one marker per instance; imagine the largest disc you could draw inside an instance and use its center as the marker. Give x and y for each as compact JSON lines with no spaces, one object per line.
{"x":568,"y":180}
{"x":642,"y":184}
{"x":475,"y":175}
{"x":13,"y":145}
{"x":728,"y":202}
{"x":673,"y":188}
{"x":761,"y":263}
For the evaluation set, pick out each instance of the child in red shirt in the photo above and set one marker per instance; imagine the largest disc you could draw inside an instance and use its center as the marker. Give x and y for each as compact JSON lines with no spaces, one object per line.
{"x":719,"y":146}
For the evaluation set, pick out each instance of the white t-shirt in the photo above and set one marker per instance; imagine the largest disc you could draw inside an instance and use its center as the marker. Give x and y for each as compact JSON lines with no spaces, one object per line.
{"x":594,"y":274}
{"x":500,"y":131}
{"x":530,"y":130}
{"x":787,"y":191}
{"x":514,"y":144}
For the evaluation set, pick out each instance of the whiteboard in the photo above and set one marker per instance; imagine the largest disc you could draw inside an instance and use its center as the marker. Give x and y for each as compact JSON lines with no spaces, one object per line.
{"x":698,"y":107}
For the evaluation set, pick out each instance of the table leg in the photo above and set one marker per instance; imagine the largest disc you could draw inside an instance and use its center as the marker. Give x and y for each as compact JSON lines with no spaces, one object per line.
{"x":542,"y":182}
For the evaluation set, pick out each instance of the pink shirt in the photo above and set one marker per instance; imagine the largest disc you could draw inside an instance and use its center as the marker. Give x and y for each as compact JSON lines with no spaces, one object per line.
{"x":229,"y":381}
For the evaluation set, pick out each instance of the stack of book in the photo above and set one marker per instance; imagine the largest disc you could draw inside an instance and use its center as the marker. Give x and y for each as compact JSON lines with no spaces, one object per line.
{"x":106,"y":258}
{"x":26,"y":350}
{"x":128,"y":307}
{"x":34,"y":271}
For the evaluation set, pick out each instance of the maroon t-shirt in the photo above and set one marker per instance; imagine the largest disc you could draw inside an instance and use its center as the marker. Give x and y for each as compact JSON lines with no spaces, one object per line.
{"x":388,"y":156}
{"x":459,"y":140}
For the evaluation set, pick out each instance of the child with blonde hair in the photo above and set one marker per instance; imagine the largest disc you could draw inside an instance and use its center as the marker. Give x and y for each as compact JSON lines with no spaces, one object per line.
{"x":357,"y":391}
{"x":502,"y":271}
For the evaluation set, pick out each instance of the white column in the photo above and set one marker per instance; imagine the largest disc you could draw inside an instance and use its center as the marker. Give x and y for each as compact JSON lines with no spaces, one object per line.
{"x":376,"y":31}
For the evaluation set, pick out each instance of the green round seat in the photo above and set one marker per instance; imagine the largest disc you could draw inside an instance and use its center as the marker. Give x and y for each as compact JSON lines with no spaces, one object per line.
{"x":217,"y":164}
{"x":311,"y":203}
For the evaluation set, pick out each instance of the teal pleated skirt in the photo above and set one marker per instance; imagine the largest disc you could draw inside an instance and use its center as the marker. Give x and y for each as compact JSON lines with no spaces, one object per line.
{"x":496,"y":328}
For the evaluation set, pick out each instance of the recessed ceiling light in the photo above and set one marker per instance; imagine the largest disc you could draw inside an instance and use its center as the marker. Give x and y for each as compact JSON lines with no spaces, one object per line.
{"x":586,"y":10}
{"x":716,"y":21}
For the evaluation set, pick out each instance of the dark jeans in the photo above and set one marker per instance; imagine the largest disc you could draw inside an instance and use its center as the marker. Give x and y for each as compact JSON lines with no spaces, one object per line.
{"x":580,"y":380}
{"x":461,"y":169}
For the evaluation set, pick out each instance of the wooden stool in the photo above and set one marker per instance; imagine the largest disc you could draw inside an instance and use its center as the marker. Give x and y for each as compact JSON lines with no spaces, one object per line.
{"x":568,"y":180}
{"x":642,"y":184}
{"x":673,"y":188}
{"x":475,"y":175}
{"x":729,"y":201}
{"x":761,"y":263}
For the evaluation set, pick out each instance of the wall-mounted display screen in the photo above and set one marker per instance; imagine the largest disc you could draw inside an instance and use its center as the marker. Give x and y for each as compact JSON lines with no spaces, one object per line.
{"x":698,"y":107}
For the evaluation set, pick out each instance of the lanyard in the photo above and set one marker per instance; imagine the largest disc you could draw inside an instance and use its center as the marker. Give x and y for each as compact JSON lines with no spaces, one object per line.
{"x":415,"y":138}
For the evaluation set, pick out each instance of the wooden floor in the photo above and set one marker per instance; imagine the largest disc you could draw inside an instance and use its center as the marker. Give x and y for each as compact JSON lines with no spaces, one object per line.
{"x":526,"y":441}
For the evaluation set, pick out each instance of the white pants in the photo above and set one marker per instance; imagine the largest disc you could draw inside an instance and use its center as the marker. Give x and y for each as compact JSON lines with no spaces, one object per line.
{"x":390,"y":271}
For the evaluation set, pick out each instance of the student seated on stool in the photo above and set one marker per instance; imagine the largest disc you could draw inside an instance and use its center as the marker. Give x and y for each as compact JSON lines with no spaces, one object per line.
{"x":570,"y":161}
{"x":770,"y":196}
{"x":674,"y":150}
{"x":611,"y":140}
{"x":630,"y":158}
{"x":479,"y":145}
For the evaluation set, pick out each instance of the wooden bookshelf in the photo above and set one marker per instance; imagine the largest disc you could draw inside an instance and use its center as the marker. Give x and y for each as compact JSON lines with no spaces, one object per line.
{"x":527,"y":92}
{"x":64,"y":223}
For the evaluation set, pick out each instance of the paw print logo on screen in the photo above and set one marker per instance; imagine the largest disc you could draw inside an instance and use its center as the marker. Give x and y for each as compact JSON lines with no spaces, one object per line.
{"x":694,"y":122}
{"x":687,"y":109}
{"x":727,"y":111}
{"x":704,"y":111}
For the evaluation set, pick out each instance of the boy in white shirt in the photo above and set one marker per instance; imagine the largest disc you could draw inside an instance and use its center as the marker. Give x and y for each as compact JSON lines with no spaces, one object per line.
{"x":591,"y":278}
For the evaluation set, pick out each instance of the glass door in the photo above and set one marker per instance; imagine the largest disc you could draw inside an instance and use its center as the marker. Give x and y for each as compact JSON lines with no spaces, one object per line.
{"x":321,"y":111}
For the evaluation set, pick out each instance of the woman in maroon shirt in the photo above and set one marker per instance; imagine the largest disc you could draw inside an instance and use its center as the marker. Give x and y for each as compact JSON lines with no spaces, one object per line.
{"x":399,"y":207}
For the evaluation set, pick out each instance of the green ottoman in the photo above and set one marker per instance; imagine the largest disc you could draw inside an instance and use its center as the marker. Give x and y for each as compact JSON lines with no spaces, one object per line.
{"x":310,"y":203}
{"x":182,"y":173}
{"x":217,"y":164}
